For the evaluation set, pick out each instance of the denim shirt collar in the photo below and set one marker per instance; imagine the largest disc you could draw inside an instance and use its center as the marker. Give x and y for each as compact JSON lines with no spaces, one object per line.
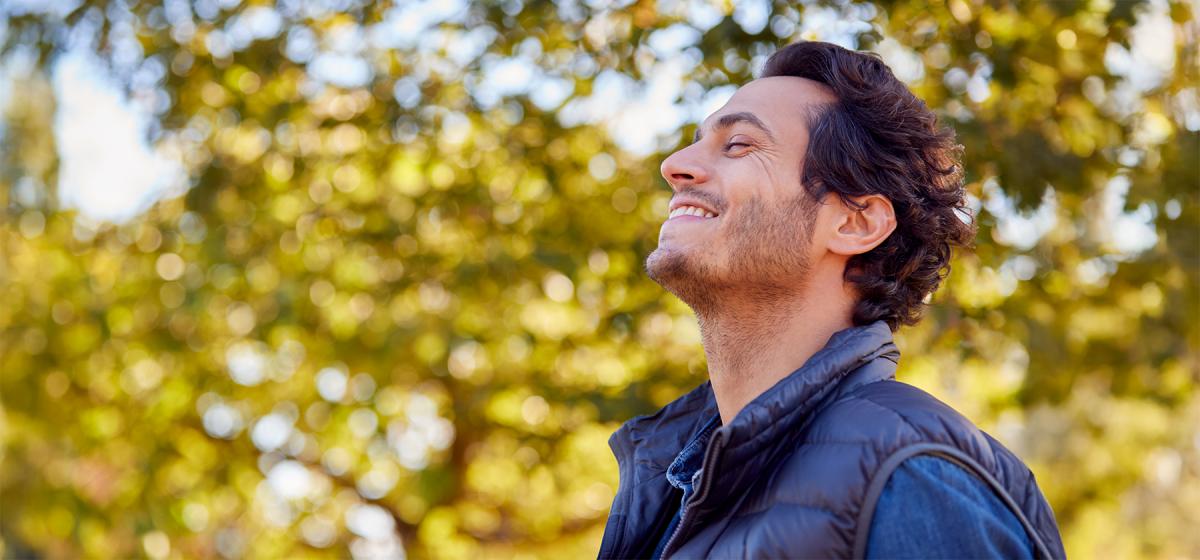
{"x":687,"y":465}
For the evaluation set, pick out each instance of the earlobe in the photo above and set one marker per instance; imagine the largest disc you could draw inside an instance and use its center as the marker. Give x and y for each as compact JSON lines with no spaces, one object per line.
{"x":863,"y":228}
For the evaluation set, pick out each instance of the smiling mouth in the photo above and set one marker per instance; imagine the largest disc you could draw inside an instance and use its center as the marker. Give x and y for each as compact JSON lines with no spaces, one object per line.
{"x":692,"y":211}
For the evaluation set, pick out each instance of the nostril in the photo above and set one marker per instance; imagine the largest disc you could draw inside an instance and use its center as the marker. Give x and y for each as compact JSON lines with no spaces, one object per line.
{"x":681,"y":170}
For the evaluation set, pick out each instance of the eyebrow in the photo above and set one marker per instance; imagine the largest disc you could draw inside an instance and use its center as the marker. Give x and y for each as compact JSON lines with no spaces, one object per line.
{"x":731,"y":119}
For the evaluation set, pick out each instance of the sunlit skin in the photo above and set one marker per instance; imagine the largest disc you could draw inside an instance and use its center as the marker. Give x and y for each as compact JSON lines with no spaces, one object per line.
{"x":766,"y":287}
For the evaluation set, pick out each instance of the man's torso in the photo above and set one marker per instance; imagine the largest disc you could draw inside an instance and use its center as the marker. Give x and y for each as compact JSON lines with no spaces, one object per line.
{"x":799,"y":471}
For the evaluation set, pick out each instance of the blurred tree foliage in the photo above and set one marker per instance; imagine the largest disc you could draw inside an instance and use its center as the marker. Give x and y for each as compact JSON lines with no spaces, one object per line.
{"x":403,"y":314}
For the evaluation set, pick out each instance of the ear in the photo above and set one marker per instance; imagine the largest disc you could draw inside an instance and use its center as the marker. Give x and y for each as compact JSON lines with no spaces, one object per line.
{"x":858,"y":230}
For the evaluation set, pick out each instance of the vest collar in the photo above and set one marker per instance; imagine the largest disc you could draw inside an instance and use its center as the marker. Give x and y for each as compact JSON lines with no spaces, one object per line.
{"x":749,"y":446}
{"x":770,"y":426}
{"x":653,"y":441}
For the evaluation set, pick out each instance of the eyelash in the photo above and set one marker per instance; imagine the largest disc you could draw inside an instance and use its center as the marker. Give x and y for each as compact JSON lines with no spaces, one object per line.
{"x":730,"y":145}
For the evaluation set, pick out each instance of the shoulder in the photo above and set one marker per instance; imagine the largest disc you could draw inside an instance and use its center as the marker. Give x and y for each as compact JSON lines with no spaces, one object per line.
{"x":848,"y":443}
{"x":930,"y":424}
{"x":860,"y":429}
{"x":896,"y":403}
{"x":891,"y":415}
{"x":851,"y":447}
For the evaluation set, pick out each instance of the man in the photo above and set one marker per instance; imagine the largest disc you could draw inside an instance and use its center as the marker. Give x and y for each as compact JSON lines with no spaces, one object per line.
{"x":813,"y":216}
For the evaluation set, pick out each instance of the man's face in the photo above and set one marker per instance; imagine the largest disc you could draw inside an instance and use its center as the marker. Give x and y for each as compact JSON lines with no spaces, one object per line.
{"x":742,"y":176}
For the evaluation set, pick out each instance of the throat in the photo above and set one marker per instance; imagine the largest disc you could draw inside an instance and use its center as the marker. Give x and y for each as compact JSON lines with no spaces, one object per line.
{"x":752,"y":348}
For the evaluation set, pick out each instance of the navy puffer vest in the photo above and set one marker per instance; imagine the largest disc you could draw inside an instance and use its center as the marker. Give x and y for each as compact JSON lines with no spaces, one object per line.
{"x":798,"y":472}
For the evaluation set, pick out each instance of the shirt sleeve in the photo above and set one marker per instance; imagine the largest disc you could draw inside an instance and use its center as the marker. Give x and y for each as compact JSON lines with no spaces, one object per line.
{"x":933,"y":508}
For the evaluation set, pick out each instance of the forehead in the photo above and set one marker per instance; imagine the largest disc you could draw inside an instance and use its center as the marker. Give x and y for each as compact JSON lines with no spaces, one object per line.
{"x":781,"y":102}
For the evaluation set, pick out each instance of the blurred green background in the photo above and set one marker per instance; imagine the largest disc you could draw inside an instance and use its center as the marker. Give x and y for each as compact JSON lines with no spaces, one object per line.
{"x":333,"y":278}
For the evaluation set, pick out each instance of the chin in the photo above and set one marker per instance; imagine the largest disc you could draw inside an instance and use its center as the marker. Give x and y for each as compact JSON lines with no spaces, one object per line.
{"x":693,"y":282}
{"x":666,"y":264}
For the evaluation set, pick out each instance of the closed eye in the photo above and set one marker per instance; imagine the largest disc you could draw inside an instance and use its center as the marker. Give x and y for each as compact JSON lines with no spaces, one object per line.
{"x":736,"y":145}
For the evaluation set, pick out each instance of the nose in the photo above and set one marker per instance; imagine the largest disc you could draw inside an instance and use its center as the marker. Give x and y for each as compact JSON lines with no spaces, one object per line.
{"x":684,"y":168}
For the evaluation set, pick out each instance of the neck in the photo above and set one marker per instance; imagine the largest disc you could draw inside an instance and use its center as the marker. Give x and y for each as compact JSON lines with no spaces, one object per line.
{"x":752,"y":344}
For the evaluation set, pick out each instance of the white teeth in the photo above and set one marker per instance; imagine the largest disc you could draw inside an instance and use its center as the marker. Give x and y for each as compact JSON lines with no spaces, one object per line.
{"x":691,"y":211}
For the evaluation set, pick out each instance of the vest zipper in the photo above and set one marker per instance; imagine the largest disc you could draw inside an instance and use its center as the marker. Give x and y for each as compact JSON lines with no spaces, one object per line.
{"x":715,"y":447}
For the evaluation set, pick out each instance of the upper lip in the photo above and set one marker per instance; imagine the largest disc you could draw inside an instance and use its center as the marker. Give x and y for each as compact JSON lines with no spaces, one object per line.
{"x":686,"y":201}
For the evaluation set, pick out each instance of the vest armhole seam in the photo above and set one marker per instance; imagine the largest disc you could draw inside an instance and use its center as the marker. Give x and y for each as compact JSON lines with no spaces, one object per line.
{"x":893,"y":462}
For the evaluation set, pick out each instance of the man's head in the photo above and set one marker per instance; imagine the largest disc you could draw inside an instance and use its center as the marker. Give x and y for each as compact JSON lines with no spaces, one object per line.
{"x":825,"y":164}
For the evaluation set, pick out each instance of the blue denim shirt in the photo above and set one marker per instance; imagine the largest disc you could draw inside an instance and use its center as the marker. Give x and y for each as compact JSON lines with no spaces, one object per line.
{"x":930,"y":508}
{"x":683,"y":474}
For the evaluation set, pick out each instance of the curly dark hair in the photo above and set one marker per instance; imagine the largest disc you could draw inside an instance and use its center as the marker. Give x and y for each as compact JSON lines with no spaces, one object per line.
{"x":878,"y":138}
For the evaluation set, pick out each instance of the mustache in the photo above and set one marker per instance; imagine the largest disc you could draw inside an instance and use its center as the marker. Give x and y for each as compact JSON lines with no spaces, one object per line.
{"x":706,"y":198}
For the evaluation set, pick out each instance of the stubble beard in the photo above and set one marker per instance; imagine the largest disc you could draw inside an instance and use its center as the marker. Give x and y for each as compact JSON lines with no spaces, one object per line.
{"x":765,"y":263}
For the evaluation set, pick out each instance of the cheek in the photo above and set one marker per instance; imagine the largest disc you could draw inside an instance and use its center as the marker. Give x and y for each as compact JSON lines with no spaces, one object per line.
{"x":755,"y":176}
{"x":760,"y":197}
{"x":745,"y":182}
{"x":751,"y":168}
